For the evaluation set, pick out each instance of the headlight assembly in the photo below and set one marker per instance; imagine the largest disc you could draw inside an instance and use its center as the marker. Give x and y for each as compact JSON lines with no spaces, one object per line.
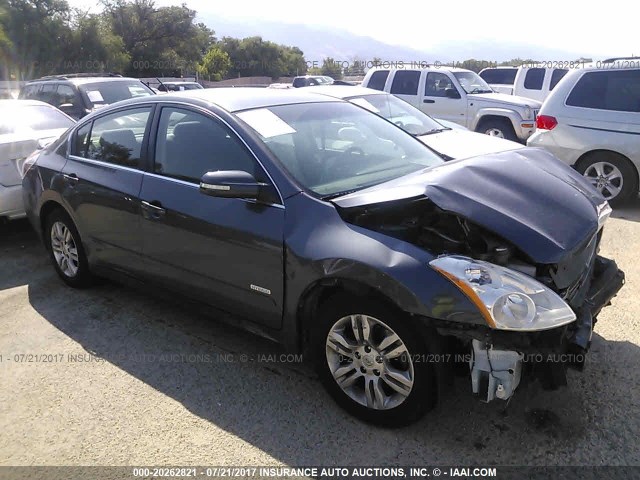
{"x":508,"y":300}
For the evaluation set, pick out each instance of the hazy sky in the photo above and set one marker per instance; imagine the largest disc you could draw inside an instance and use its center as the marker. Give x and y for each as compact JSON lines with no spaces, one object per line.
{"x":602,"y":28}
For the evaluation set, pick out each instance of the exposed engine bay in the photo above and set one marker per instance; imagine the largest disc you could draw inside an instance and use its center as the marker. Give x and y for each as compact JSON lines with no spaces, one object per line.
{"x":422,"y":223}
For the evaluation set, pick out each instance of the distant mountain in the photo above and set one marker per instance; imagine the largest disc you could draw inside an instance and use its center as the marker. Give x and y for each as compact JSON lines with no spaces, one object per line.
{"x":318,"y":43}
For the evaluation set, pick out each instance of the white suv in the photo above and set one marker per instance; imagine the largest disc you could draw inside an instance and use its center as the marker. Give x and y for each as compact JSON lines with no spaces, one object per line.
{"x":459,"y":96}
{"x":592,"y":121}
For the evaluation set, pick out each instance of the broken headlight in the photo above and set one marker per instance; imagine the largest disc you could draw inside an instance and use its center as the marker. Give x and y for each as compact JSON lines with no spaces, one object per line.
{"x":508,"y":300}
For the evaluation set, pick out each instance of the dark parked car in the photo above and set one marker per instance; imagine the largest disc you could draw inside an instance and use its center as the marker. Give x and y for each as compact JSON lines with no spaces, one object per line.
{"x":311,"y":80}
{"x":178,"y":86}
{"x":386,"y":265}
{"x":78,"y":95}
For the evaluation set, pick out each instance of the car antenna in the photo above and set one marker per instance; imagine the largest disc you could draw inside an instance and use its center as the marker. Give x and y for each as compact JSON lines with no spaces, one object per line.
{"x":160,"y":82}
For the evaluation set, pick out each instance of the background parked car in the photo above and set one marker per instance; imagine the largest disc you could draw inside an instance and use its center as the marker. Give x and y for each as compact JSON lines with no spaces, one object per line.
{"x":447,"y":142}
{"x":530,"y":82}
{"x":312,"y":80}
{"x":25,"y":125}
{"x":459,"y":96}
{"x":592,"y":121}
{"x":79,"y":94}
{"x":165,"y":87}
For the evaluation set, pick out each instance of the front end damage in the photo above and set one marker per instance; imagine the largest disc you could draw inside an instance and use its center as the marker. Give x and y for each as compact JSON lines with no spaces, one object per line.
{"x":501,"y":352}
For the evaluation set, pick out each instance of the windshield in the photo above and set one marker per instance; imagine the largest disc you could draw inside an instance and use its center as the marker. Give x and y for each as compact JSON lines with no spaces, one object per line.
{"x":334,"y":148}
{"x":403,"y":114}
{"x":106,"y":93}
{"x":32,"y":117}
{"x":472,"y":83}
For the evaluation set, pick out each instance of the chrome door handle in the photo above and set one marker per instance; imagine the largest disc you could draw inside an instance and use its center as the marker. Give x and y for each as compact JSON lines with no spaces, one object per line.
{"x":153,"y":209}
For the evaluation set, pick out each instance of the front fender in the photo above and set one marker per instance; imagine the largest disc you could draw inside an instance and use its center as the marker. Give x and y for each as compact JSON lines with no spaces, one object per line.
{"x":321,"y":247}
{"x":514,"y":117}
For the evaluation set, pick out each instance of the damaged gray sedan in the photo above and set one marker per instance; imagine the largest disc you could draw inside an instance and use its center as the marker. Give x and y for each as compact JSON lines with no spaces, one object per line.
{"x":327,"y":228}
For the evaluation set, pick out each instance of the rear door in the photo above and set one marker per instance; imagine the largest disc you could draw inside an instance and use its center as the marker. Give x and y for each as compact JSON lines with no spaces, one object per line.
{"x":224,"y":251}
{"x":102,"y":177}
{"x":405,"y":85}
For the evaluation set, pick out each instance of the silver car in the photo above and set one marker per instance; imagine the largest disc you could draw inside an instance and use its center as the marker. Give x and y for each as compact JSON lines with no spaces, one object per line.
{"x":25,"y":126}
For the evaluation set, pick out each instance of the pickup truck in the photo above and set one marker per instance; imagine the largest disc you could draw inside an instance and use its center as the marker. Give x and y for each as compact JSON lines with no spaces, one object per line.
{"x":459,"y":96}
{"x":530,"y":82}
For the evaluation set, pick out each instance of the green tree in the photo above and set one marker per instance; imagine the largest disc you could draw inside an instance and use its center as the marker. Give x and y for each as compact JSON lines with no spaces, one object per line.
{"x":253,"y":56}
{"x":160,"y":41}
{"x":39,"y":32}
{"x":215,"y":64}
{"x":331,"y":68}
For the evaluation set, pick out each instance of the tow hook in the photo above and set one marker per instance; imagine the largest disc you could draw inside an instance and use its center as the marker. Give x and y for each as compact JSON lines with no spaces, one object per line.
{"x":494,"y":373}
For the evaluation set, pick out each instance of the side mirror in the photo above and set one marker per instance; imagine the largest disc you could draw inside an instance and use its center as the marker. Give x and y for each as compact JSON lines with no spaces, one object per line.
{"x":230,"y":184}
{"x":452,"y":93}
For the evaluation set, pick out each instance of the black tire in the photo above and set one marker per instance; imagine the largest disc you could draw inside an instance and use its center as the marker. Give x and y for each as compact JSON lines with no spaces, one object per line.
{"x":629,"y":174}
{"x":502,"y":125}
{"x":82,"y":277}
{"x":423,"y":394}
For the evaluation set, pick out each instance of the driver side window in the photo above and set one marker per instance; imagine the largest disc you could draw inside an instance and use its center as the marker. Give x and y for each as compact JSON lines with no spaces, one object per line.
{"x":436,"y":85}
{"x":190,"y":144}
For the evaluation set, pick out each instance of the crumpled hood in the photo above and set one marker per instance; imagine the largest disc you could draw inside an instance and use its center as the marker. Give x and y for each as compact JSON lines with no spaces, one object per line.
{"x":504,"y":99}
{"x":527,"y":196}
{"x":464,"y":143}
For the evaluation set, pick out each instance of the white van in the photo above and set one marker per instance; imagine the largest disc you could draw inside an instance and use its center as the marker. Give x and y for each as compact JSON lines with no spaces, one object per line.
{"x":525,"y":81}
{"x":592,"y":121}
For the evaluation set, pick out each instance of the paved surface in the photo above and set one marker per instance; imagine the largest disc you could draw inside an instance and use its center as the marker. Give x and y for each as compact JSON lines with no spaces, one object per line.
{"x":132,"y":379}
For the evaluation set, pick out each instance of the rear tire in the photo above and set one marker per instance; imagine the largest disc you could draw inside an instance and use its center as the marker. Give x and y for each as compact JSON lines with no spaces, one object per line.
{"x":375,"y":354}
{"x":66,"y":251}
{"x":497,"y":127}
{"x":613,"y":175}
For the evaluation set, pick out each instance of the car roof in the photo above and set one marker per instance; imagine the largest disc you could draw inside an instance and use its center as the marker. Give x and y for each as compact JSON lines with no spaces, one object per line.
{"x":82,"y":80}
{"x":237,"y":99}
{"x":434,"y":68}
{"x":344,"y":91}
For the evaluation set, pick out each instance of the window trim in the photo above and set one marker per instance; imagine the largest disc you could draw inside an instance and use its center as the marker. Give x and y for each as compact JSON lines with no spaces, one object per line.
{"x":142,"y":167}
{"x":153,"y":134}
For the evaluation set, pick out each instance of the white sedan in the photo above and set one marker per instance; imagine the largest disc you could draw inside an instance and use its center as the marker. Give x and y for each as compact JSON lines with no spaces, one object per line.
{"x":450,"y":143}
{"x":25,"y":126}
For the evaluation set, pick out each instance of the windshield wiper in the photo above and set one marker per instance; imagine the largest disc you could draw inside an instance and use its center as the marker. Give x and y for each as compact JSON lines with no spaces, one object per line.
{"x":478,"y":90}
{"x":433,"y":130}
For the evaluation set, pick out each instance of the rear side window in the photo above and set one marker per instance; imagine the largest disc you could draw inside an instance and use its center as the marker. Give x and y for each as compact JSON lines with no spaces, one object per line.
{"x":117,"y":138}
{"x":30,"y":92}
{"x":378,"y":79}
{"x":499,"y":76}
{"x":405,"y":82}
{"x":608,"y":90}
{"x":556,"y":76}
{"x":534,"y":78}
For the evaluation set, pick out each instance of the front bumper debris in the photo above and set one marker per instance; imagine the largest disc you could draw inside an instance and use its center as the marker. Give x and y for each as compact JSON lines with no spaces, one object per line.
{"x":499,"y":359}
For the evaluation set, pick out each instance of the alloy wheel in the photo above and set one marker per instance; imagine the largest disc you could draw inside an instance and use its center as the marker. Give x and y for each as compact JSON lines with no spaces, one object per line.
{"x":606,"y":178}
{"x":369,"y":362}
{"x":64,"y":249}
{"x":494,"y":132}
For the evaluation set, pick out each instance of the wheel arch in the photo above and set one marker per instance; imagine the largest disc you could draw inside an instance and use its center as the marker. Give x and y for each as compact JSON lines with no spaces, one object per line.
{"x":318,"y":292}
{"x":585,"y":156}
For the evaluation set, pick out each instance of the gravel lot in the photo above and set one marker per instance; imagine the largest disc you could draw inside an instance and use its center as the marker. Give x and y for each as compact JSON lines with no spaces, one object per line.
{"x":137,"y":380}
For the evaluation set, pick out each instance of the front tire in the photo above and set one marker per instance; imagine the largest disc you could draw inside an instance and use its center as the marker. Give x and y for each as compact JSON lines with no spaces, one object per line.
{"x":370,"y":361}
{"x":497,"y":127}
{"x":66,"y":251}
